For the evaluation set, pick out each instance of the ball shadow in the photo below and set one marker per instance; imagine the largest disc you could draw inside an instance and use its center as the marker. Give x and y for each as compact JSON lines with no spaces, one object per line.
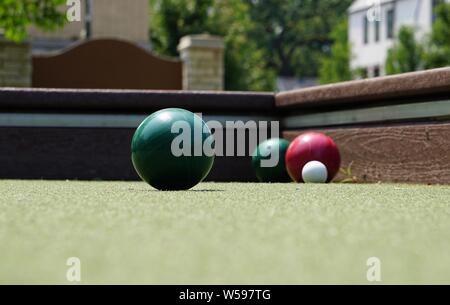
{"x":193,"y":191}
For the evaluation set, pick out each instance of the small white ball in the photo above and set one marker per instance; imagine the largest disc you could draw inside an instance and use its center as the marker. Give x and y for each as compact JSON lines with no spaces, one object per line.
{"x":315,"y":172}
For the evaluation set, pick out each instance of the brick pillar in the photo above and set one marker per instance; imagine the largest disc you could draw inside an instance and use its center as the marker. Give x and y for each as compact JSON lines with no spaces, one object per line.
{"x":15,"y":64}
{"x":203,"y":62}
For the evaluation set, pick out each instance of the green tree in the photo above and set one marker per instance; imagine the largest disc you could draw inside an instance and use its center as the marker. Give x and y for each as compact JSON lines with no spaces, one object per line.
{"x":17,"y":15}
{"x":438,"y":49}
{"x":264,"y":38}
{"x":244,"y":64}
{"x":173,"y":19}
{"x":294,"y":34}
{"x":406,"y":55}
{"x":336,"y":67}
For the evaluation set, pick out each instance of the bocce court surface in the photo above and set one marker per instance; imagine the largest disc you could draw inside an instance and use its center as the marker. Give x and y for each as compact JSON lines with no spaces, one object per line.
{"x":223,"y":233}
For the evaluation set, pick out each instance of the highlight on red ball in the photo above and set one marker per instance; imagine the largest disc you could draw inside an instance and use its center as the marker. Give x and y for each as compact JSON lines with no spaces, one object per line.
{"x":312,"y":146}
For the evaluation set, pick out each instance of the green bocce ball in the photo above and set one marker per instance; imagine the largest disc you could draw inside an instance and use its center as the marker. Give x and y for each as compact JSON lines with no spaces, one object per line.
{"x":173,"y":149}
{"x":265,"y":151}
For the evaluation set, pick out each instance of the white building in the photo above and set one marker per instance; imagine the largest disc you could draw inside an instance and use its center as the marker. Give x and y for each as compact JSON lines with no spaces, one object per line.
{"x":371,"y":39}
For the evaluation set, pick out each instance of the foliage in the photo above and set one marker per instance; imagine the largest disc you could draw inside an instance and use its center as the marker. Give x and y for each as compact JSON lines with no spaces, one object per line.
{"x":348,"y":175}
{"x":336,"y":67}
{"x":438,"y":49}
{"x":244,"y":64}
{"x":263,"y":38}
{"x":17,"y":15}
{"x":406,"y":55}
{"x":173,"y":19}
{"x":295,"y":33}
{"x":433,"y":52}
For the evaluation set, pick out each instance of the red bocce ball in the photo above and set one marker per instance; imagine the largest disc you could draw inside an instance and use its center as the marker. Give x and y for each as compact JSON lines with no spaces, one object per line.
{"x":312,"y":146}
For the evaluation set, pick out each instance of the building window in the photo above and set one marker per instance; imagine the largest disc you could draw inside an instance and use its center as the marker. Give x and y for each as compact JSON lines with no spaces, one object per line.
{"x":390,"y":23}
{"x":366,"y":30}
{"x":376,"y":71}
{"x":377,"y":31}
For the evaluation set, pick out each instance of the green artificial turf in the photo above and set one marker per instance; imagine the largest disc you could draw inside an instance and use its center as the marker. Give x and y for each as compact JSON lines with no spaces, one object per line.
{"x":223,"y":233}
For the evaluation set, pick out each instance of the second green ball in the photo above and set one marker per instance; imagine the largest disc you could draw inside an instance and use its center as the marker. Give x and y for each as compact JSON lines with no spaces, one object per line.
{"x":272,"y":151}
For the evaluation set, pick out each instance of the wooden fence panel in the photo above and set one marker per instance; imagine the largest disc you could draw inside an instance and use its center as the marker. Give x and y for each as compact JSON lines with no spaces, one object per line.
{"x":106,"y":64}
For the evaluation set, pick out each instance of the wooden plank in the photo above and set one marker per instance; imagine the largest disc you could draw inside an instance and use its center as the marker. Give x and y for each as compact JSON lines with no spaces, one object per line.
{"x":437,"y":109}
{"x":409,"y":153}
{"x":81,"y":120}
{"x":131,"y":101}
{"x":363,"y":92}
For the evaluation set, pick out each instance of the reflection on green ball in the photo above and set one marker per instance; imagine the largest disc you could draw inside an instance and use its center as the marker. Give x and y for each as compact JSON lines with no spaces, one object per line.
{"x":152,"y":150}
{"x":265,"y":151}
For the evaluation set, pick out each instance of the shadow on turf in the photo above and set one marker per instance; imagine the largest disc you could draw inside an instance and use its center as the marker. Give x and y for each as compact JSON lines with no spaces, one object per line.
{"x":193,"y":191}
{"x":206,"y":191}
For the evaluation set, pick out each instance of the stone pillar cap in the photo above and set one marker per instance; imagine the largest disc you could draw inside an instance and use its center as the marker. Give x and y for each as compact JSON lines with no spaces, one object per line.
{"x":201,"y":41}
